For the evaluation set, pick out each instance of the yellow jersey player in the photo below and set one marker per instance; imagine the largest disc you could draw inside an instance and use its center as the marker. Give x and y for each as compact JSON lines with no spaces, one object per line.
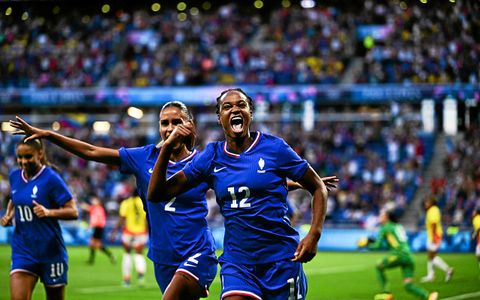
{"x":134,"y":236}
{"x":476,"y":232}
{"x":433,"y":226}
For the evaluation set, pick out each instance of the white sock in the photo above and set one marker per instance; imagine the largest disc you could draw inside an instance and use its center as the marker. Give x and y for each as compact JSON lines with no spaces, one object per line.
{"x":140,"y":264}
{"x":430,"y":270}
{"x":440,"y":263}
{"x":126,"y":265}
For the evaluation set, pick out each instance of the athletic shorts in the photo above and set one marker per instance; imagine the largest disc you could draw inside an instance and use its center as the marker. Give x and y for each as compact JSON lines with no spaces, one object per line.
{"x":97,"y":233}
{"x":433,"y":247}
{"x":477,"y":250}
{"x":406,"y":263}
{"x":134,"y":240}
{"x":278,"y":280}
{"x":52,"y":273}
{"x":201,"y":266}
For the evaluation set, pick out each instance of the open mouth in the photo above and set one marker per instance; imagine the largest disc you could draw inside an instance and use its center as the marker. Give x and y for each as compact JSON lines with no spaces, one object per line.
{"x":237,"y":124}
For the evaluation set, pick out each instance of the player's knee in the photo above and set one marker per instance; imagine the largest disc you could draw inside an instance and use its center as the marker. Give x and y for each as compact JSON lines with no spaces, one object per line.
{"x":408,"y":284}
{"x":380,"y":266}
{"x":139,"y":249}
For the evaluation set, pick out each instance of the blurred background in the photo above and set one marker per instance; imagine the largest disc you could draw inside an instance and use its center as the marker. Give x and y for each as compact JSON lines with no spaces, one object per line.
{"x":383,"y":94}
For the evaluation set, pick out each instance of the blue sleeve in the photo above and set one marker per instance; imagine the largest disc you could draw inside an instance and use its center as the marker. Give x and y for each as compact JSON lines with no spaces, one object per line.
{"x":290,"y":164}
{"x":128,"y":161}
{"x":59,"y":190}
{"x":199,"y":168}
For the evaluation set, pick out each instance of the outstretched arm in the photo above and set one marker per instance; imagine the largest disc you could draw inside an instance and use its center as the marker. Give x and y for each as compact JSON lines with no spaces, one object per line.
{"x":307,"y":248}
{"x":82,"y":149}
{"x":330,"y":182}
{"x":159,"y":188}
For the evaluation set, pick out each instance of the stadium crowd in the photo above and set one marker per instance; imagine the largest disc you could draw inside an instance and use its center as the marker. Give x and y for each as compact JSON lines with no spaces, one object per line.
{"x":431,"y":43}
{"x":424,"y":43}
{"x":458,"y":192}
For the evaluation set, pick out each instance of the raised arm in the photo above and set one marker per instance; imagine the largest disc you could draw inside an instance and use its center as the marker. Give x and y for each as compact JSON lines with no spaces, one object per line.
{"x":159,"y":188}
{"x":307,"y":248}
{"x":82,"y":149}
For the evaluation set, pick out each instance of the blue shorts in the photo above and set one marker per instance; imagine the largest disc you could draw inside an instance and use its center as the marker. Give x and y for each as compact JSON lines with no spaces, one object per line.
{"x":278,"y":280}
{"x":201,"y":266}
{"x":52,"y":273}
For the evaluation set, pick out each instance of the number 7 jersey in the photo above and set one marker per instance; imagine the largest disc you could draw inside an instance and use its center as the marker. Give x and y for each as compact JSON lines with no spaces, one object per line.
{"x":251,"y":189}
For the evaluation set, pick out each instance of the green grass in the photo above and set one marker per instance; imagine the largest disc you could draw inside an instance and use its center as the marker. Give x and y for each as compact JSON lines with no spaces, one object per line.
{"x":331,"y":275}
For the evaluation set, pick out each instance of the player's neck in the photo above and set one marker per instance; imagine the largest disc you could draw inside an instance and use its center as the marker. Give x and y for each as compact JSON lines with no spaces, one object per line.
{"x":240,"y":144}
{"x":29,"y":173}
{"x":180,"y":153}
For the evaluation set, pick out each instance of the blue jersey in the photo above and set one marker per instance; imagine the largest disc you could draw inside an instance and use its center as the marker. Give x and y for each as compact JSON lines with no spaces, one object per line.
{"x":177,"y":227}
{"x":36,"y":238}
{"x":251,"y":189}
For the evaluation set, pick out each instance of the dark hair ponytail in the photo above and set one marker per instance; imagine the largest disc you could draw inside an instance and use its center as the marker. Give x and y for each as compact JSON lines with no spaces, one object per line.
{"x":190,"y":142}
{"x":39,"y":146}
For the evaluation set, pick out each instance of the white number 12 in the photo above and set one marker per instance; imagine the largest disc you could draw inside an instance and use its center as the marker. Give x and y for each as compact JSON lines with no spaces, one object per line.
{"x":243,"y":202}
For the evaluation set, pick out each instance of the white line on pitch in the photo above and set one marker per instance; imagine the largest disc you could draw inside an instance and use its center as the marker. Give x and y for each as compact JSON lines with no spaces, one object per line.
{"x":463,"y":296}
{"x":110,"y":288}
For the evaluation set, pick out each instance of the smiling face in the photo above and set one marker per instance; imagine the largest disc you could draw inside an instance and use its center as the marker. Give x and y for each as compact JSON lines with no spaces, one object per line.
{"x":170,"y":117}
{"x":29,"y":158}
{"x":235,"y":114}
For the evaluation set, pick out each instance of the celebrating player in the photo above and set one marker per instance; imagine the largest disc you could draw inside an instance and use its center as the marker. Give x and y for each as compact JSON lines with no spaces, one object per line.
{"x":181,"y":244}
{"x":133,"y":220}
{"x":433,"y":225}
{"x":393,"y":235}
{"x":39,"y":198}
{"x":262,"y":256}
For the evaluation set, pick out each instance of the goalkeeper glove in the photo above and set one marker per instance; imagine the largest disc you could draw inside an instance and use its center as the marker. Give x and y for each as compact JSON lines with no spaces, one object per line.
{"x":364,"y":242}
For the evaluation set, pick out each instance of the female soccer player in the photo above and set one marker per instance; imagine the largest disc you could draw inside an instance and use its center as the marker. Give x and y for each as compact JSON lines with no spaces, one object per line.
{"x":262,"y":256}
{"x":133,"y":220}
{"x":181,"y":244}
{"x":433,"y":226}
{"x":39,"y":197}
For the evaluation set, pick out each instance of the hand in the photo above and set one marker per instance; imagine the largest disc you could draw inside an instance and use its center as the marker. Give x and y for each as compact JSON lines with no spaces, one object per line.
{"x":307,"y":248}
{"x":364,"y":242}
{"x":6,"y":220}
{"x":331,"y":182}
{"x":40,"y":210}
{"x":181,"y":134}
{"x":27,"y":129}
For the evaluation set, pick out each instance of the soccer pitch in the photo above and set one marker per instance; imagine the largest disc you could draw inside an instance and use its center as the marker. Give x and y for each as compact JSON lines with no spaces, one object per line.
{"x":331,"y":275}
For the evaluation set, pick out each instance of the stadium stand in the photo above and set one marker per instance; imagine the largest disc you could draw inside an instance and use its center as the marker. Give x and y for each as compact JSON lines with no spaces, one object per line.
{"x":132,"y":46}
